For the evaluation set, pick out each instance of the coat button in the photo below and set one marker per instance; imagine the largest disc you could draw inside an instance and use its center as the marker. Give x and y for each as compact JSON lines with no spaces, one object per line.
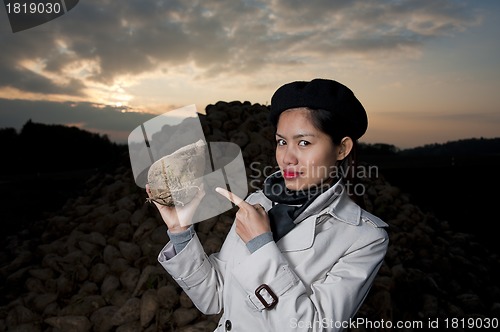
{"x":228,"y":325}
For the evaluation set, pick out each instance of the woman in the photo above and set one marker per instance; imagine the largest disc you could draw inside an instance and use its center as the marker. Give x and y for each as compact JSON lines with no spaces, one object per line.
{"x":301,"y":255}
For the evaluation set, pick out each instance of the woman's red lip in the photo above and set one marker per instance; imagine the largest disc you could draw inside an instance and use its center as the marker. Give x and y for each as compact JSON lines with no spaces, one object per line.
{"x":290,"y":175}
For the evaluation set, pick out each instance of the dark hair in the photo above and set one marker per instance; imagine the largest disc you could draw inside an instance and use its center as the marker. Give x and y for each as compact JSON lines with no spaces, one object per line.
{"x":328,"y":123}
{"x":335,"y":127}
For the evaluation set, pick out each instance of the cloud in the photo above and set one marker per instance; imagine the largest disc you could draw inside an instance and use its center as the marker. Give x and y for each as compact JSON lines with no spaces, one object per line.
{"x":100,"y":41}
{"x":476,"y":117}
{"x":87,"y":116}
{"x":26,"y":80}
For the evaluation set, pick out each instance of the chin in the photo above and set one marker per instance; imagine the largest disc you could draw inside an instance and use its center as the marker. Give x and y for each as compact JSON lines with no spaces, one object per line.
{"x":302,"y":185}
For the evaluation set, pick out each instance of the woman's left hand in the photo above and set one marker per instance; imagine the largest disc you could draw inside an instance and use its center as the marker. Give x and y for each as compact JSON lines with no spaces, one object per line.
{"x":251,"y":220}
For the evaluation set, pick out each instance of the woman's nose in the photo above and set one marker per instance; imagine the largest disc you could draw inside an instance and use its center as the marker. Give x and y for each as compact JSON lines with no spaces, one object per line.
{"x":290,"y":157}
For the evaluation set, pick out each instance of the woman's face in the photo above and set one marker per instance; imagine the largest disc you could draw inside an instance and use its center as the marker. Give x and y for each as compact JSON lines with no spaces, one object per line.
{"x":305,"y":155}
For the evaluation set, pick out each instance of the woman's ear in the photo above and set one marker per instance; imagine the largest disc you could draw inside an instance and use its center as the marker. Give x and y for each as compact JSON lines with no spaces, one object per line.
{"x":345,"y":147}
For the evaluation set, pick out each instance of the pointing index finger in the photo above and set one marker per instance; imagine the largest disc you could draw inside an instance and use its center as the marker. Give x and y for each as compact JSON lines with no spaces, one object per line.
{"x":230,"y":196}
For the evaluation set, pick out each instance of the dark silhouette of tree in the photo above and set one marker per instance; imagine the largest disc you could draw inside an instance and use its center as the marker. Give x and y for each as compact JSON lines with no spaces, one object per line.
{"x":42,"y":148}
{"x":463,"y":147}
{"x":379,"y":149}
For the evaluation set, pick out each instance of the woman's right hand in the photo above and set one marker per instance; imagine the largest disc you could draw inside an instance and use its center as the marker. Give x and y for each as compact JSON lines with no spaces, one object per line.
{"x":178,"y":218}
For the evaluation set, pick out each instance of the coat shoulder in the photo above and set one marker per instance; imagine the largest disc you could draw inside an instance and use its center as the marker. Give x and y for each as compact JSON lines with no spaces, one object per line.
{"x":372,"y":219}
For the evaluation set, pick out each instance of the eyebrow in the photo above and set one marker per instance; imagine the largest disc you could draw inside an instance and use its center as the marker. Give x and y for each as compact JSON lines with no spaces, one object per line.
{"x":297,"y":136}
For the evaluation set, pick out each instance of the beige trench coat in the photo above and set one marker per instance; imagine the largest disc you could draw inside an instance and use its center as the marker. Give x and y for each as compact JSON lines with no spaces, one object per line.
{"x":320,"y":272}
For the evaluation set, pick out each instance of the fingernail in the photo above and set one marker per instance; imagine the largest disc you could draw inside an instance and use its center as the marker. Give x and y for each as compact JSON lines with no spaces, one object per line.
{"x":218,"y":189}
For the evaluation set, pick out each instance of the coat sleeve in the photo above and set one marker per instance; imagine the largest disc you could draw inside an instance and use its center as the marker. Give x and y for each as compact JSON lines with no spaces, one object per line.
{"x":326,"y":303}
{"x":199,"y":275}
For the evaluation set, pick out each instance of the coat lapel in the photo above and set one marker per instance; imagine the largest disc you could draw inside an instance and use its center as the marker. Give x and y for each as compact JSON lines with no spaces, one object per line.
{"x":334,"y":202}
{"x":299,"y":238}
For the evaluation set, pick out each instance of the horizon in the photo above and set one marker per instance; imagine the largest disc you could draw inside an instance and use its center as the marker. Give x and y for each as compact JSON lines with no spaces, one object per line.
{"x":102,"y":135}
{"x":425,"y":72}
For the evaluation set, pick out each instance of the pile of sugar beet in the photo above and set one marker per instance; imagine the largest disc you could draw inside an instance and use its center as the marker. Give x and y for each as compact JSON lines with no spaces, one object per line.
{"x":92,"y":266}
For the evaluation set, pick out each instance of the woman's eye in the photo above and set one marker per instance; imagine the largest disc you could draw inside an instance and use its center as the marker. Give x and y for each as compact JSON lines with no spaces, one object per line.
{"x":280,"y":142}
{"x":303,"y":143}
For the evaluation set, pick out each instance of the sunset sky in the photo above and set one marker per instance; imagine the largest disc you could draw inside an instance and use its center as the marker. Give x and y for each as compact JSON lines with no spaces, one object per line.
{"x":426,"y":70}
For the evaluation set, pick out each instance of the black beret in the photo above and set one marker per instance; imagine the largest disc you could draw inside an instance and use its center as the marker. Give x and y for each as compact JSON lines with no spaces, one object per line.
{"x":323,"y":94}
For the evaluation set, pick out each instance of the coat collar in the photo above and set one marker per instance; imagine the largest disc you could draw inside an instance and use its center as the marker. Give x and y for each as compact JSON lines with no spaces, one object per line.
{"x":334,"y":202}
